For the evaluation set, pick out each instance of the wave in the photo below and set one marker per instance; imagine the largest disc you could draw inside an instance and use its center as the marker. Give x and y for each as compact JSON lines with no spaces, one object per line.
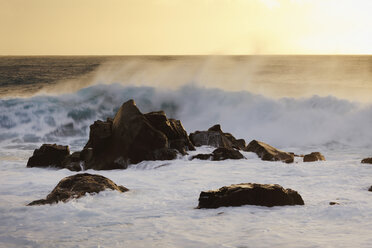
{"x":284,"y":122}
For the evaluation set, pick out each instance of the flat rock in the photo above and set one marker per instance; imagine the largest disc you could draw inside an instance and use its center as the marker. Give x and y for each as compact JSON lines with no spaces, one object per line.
{"x":367,"y":161}
{"x":268,"y":195}
{"x":269,"y":153}
{"x":215,"y":137}
{"x":220,"y":154}
{"x":314,"y":156}
{"x":49,"y":155}
{"x":76,"y":186}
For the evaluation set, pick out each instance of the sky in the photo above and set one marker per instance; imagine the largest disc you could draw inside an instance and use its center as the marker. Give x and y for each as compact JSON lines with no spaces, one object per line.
{"x":185,"y":27}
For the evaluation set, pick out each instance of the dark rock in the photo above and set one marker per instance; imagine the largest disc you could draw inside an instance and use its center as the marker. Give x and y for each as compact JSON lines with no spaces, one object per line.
{"x":370,"y":189}
{"x":135,"y":137}
{"x":268,"y":153}
{"x":217,"y":138}
{"x":226,"y":153}
{"x":202,"y":157}
{"x":220,"y":154}
{"x":334,"y":203}
{"x":77,"y":186}
{"x":367,"y":161}
{"x":249,"y":194}
{"x":48,"y":155}
{"x":173,"y":129}
{"x":100,"y":135}
{"x":72,"y":162}
{"x":314,"y":156}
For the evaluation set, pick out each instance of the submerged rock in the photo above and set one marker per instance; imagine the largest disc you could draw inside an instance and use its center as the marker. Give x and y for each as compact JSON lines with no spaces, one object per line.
{"x":314,"y":156}
{"x":220,"y":154}
{"x":269,"y":153}
{"x":367,"y":161}
{"x":49,"y":155}
{"x":217,"y":138}
{"x":77,"y":186}
{"x":268,"y":195}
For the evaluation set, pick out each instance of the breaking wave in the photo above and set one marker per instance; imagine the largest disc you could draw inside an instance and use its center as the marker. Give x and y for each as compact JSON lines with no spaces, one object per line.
{"x":281,"y":122}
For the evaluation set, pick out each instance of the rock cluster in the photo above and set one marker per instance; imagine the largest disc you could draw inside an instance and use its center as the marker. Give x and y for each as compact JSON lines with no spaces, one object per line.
{"x":77,"y":186}
{"x":268,"y":195}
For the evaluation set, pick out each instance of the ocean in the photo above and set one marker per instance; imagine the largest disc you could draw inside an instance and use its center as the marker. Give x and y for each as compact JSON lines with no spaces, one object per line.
{"x":296,"y":103}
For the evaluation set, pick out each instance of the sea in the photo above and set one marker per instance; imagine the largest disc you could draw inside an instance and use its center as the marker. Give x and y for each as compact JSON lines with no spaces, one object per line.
{"x":296,"y":103}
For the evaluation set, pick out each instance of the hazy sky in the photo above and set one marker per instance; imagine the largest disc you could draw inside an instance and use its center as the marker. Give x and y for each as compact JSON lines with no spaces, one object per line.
{"x":120,"y":27}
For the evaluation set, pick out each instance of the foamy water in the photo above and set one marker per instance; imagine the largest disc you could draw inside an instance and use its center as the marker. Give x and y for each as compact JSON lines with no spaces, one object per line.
{"x":159,"y":210}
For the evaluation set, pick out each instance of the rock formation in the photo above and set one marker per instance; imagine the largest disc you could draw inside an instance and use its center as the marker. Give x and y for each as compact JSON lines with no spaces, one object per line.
{"x":216,"y":138}
{"x":77,"y":186}
{"x":49,"y":155}
{"x":314,"y":156}
{"x":269,"y":153}
{"x":268,"y":195}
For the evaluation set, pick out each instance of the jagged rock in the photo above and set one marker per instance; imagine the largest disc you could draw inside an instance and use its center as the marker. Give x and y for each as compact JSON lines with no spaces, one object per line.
{"x":314,"y":156}
{"x":173,"y":129}
{"x":269,"y":153}
{"x":367,"y":161}
{"x":133,"y":137}
{"x":77,"y":186}
{"x":217,"y":138}
{"x":220,"y":154}
{"x":249,"y":194}
{"x":49,"y":155}
{"x":100,"y":135}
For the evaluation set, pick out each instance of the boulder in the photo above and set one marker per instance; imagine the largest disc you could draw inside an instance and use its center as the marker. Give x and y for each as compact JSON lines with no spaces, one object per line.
{"x":132,"y":137}
{"x":217,"y":138}
{"x":314,"y":156}
{"x":268,"y":195}
{"x":77,"y":186}
{"x":367,"y":161}
{"x":269,"y":153}
{"x":220,"y":154}
{"x":49,"y":155}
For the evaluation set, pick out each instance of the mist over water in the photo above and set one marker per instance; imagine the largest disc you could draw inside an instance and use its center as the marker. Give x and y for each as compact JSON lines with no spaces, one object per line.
{"x":282,"y":100}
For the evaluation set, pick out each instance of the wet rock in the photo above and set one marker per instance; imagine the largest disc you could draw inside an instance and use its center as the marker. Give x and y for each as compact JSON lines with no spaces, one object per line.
{"x":217,"y":138}
{"x":77,"y":186}
{"x":220,"y":154}
{"x":268,"y":195}
{"x":334,"y":203}
{"x":269,"y":153}
{"x":370,"y":189}
{"x":49,"y":155}
{"x":314,"y":156}
{"x":135,"y":137}
{"x":367,"y":161}
{"x":72,"y":162}
{"x":173,"y":129}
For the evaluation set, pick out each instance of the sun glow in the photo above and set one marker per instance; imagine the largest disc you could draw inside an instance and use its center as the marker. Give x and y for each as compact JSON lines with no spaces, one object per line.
{"x":185,"y":27}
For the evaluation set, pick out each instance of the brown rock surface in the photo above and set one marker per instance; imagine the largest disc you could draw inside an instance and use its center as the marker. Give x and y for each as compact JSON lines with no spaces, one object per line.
{"x":314,"y":156}
{"x":77,"y":186}
{"x":249,"y":194}
{"x":269,"y":153}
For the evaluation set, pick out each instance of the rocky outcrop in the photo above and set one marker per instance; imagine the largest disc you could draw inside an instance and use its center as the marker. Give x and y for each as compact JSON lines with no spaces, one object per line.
{"x":217,"y":138}
{"x":132,"y":137}
{"x":49,"y":155}
{"x":220,"y":154}
{"x":314,"y":156}
{"x":173,"y":129}
{"x":77,"y":186}
{"x":269,"y":153}
{"x":73,"y":162}
{"x":268,"y":195}
{"x":367,"y":161}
